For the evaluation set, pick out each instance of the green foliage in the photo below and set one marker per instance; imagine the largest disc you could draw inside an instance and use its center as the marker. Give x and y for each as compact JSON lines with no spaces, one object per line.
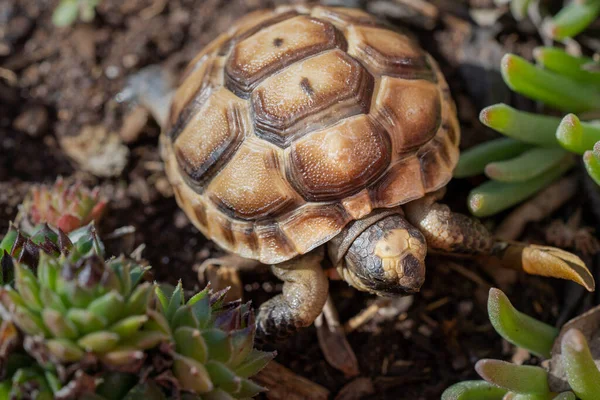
{"x":80,"y":319}
{"x":67,"y":11}
{"x":583,"y":375}
{"x":506,"y":381}
{"x":474,"y":390}
{"x":518,"y":328}
{"x":559,"y":80}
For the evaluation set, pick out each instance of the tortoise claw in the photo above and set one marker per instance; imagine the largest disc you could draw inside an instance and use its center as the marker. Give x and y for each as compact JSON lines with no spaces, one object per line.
{"x":544,"y":261}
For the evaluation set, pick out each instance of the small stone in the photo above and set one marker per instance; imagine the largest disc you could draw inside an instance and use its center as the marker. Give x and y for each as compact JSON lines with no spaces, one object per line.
{"x":32,"y":121}
{"x":130,"y":60}
{"x":112,"y":72}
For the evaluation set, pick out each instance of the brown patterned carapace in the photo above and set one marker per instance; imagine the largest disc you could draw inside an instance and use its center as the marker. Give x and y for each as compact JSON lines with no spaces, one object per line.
{"x":301,"y":119}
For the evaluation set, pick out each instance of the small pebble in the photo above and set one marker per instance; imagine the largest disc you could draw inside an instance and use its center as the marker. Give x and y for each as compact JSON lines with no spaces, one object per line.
{"x":32,"y":121}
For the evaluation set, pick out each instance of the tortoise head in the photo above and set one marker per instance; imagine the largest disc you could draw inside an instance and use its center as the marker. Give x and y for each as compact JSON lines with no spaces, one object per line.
{"x":387,"y":258}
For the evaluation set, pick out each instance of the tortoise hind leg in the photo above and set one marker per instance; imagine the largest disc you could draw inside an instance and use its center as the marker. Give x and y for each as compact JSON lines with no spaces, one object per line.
{"x":451,"y":232}
{"x":152,"y":87}
{"x":304,"y":294}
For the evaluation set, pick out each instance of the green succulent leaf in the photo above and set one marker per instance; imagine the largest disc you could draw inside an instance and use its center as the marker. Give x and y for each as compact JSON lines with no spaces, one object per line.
{"x":184,"y":316}
{"x":219,"y":344}
{"x":518,"y":8}
{"x":66,"y":13}
{"x":28,"y":286}
{"x":576,"y":136}
{"x":145,"y":340}
{"x":190,"y":343}
{"x":474,"y":390}
{"x":518,"y":328}
{"x":559,"y":61}
{"x":28,"y":321}
{"x":254,"y":363}
{"x":528,"y":165}
{"x":522,"y":379}
{"x":59,"y":325}
{"x":526,"y":127}
{"x":492,"y":197}
{"x":591,"y":160}
{"x":192,"y":375}
{"x":572,"y":19}
{"x":86,"y":321}
{"x":108,"y":307}
{"x":223,"y":377}
{"x":249,"y":389}
{"x":129,"y":325}
{"x":582,"y":373}
{"x":175,"y":302}
{"x":566,"y":396}
{"x":139,"y":300}
{"x":99,"y":342}
{"x":64,"y":350}
{"x":473,"y":161}
{"x":553,"y":89}
{"x":117,"y":385}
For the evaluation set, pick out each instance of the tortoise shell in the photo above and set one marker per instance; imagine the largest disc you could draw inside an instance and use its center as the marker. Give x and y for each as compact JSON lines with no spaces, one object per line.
{"x":300,"y":120}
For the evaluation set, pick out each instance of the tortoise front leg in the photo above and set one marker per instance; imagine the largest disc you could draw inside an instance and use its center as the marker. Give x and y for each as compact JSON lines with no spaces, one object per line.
{"x":454,"y":233}
{"x":446,"y":230}
{"x":304,"y":294}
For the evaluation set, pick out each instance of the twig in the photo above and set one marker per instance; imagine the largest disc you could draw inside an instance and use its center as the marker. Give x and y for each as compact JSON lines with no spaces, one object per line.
{"x":283,"y":384}
{"x":366,"y":314}
{"x":333,"y":342}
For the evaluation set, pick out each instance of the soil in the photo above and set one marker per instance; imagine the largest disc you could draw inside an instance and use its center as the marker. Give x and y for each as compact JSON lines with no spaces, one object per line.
{"x":57,"y":82}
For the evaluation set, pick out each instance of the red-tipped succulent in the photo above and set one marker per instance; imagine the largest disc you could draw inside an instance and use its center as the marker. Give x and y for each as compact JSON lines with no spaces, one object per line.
{"x":63,"y":205}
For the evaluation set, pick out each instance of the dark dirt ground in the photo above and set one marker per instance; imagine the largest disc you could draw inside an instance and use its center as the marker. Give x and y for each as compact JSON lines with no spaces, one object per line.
{"x":57,"y":83}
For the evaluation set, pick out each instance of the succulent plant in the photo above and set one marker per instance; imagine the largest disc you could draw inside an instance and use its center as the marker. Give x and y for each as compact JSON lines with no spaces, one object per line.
{"x":67,"y":11}
{"x":572,"y":370}
{"x":538,"y":148}
{"x":62,"y":205}
{"x":86,"y":325}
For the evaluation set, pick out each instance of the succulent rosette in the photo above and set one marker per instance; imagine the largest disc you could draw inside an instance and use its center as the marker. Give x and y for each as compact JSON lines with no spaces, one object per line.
{"x":77,"y":325}
{"x":62,"y":205}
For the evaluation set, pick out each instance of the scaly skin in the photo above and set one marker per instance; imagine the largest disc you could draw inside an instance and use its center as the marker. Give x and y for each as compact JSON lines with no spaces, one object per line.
{"x":304,"y":294}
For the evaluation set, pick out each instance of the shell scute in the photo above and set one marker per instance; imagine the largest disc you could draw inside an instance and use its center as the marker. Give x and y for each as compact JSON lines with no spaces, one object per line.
{"x":340,"y":160}
{"x":310,"y":94}
{"x":300,"y":226}
{"x":252,"y":185}
{"x":388,"y":52}
{"x":410,"y":110}
{"x":211,"y":136}
{"x":276,"y":47}
{"x":341,"y":16}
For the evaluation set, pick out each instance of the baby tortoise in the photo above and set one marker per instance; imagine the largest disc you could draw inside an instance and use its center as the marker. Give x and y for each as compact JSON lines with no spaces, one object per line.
{"x":311,"y":132}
